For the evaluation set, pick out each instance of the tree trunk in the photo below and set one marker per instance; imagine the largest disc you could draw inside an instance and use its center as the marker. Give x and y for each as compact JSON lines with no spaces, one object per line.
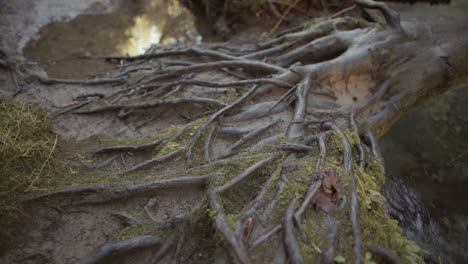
{"x":282,"y":141}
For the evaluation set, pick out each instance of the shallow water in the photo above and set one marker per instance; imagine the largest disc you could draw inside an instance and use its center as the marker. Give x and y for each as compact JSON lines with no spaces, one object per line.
{"x":129,"y":30}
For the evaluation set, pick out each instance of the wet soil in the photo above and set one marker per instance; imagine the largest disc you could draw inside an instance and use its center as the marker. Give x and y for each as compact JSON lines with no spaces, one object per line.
{"x":129,"y":30}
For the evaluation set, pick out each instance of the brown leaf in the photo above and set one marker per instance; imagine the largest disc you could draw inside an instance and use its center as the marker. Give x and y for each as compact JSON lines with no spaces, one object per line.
{"x":328,"y":196}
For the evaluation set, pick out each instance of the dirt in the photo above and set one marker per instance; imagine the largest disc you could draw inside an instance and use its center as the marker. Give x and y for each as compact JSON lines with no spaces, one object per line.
{"x":84,"y":28}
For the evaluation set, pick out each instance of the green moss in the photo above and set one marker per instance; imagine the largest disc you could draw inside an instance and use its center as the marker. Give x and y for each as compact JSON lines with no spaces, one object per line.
{"x":334,"y":145}
{"x":292,"y":190}
{"x":352,"y":137}
{"x":311,"y":252}
{"x":379,"y":228}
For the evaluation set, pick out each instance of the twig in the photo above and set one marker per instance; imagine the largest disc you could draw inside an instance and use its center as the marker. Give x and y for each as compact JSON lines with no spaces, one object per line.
{"x":280,"y":100}
{"x":342,"y":11}
{"x":283,"y":16}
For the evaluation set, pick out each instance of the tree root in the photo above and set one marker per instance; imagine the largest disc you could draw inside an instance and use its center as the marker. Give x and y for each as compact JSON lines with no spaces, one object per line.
{"x":168,"y":244}
{"x":214,"y":117}
{"x":208,"y":144}
{"x":265,"y":237}
{"x":149,"y":206}
{"x":222,"y":226}
{"x":130,"y":147}
{"x":233,"y":182}
{"x":290,"y":241}
{"x":175,"y":72}
{"x":185,"y":100}
{"x":150,"y":162}
{"x":121,"y":247}
{"x":82,"y":82}
{"x":232,"y":148}
{"x":295,"y":147}
{"x":280,"y":204}
{"x":121,"y":190}
{"x":356,"y":227}
{"x":102,"y":164}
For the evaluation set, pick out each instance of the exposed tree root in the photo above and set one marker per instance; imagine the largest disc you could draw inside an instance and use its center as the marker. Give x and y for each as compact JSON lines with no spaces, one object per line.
{"x":290,"y":240}
{"x":131,"y":147}
{"x":85,"y":82}
{"x":274,"y":182}
{"x":121,"y":247}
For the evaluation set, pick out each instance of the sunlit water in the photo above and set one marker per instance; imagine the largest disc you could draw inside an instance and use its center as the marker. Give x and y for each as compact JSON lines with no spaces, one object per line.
{"x":130,"y":30}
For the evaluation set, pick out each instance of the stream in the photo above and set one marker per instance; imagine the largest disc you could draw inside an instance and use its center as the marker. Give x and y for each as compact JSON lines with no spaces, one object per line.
{"x":426,"y":152}
{"x":426,"y":158}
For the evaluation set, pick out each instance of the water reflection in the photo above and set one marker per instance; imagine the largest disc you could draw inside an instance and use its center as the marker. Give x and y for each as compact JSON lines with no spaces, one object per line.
{"x":132,"y":29}
{"x":164,"y":22}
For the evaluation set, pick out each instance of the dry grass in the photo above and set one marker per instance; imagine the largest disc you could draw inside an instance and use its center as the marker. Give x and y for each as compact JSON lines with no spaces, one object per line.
{"x":26,"y":153}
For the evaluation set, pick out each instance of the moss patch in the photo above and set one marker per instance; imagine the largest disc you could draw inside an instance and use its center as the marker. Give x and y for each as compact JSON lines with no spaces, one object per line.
{"x":378,"y":228}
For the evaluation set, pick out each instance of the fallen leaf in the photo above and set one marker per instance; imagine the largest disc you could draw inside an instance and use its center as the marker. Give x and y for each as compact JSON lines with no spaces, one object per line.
{"x":328,"y":195}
